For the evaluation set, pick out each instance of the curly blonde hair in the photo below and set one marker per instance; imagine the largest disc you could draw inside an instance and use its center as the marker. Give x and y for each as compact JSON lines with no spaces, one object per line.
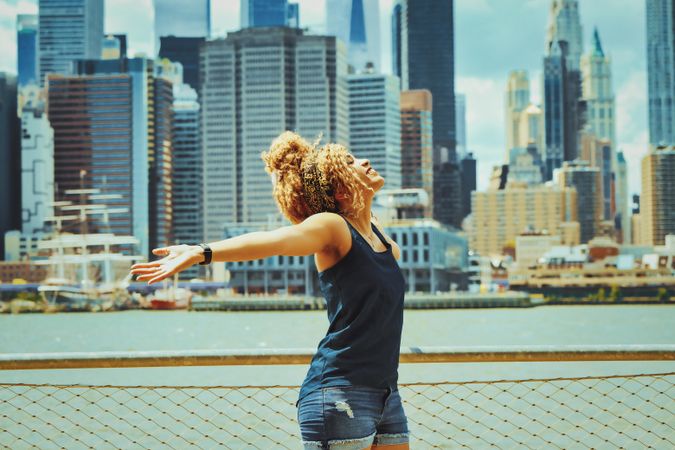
{"x":306,"y":178}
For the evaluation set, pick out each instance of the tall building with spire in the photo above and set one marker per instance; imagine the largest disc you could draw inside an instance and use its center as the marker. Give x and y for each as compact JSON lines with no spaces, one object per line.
{"x":357,"y":24}
{"x":601,"y":122}
{"x":661,"y":71}
{"x":564,"y":108}
{"x":598,"y":92}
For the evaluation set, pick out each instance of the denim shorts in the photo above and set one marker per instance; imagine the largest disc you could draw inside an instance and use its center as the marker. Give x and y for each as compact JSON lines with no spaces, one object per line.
{"x":351,"y":417}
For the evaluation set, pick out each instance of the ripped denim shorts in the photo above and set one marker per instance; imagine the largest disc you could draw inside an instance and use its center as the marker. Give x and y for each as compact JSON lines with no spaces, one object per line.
{"x":351,"y":417}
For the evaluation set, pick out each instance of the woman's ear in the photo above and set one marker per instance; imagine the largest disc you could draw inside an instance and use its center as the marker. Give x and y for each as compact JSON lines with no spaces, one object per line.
{"x":341,"y":195}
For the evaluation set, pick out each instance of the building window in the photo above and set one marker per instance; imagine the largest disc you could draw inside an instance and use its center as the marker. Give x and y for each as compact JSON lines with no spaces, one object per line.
{"x":426,"y":255}
{"x":425,"y":236}
{"x":405,"y":255}
{"x":405,"y":239}
{"x":415,"y":239}
{"x":415,"y":256}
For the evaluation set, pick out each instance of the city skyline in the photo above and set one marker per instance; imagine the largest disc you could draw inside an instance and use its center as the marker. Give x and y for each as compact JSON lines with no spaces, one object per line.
{"x":482,"y":61}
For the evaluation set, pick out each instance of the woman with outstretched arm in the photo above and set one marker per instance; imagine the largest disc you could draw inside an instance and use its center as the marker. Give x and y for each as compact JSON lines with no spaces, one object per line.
{"x":349,"y":398}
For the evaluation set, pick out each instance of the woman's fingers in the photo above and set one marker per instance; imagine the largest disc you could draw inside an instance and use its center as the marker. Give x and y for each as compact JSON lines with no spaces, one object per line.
{"x":145,"y":265}
{"x":143,"y":270}
{"x":159,"y":277}
{"x":160,"y":251}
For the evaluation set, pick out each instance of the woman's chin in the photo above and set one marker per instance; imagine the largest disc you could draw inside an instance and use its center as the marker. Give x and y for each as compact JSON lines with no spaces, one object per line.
{"x":378,"y":183}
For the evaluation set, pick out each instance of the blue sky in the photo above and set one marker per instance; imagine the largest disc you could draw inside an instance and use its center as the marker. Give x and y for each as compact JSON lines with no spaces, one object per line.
{"x":492,"y":37}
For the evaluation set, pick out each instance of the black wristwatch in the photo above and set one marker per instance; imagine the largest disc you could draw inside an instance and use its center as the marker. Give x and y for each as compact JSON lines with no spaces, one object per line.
{"x":207,"y":254}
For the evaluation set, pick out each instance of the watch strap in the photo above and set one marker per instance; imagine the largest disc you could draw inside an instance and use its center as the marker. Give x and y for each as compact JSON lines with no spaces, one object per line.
{"x":208,"y":254}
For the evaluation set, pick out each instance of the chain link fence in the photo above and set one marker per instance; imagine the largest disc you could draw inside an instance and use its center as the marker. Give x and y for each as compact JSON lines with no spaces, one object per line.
{"x":593,"y":412}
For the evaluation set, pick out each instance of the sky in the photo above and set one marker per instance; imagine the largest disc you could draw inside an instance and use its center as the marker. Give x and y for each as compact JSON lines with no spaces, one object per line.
{"x":492,"y":37}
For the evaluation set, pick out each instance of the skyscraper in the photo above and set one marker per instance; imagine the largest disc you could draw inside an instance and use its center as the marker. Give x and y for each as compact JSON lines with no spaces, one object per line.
{"x":564,"y":109}
{"x":564,"y":25}
{"x":598,"y":153}
{"x":269,"y":13}
{"x":517,"y":99}
{"x":426,"y":47}
{"x":425,"y":52}
{"x":598,"y":92}
{"x":657,"y":202}
{"x":357,"y":24}
{"x":27,"y":54}
{"x":587,"y":181}
{"x":184,"y":50}
{"x":10,"y":151}
{"x":131,"y":156}
{"x":623,"y":209}
{"x":600,"y":121}
{"x":375,"y":123}
{"x":182,"y":18}
{"x":460,"y":126}
{"x":112,"y":48}
{"x":416,"y":142}
{"x":467,"y":167}
{"x":69,"y":30}
{"x":188,"y":195}
{"x":37,"y":169}
{"x":247,"y":101}
{"x":293,"y":17}
{"x":661,"y":71}
{"x":524,"y":120}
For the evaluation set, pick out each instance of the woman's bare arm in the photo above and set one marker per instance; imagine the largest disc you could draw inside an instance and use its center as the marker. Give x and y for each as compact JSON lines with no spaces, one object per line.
{"x":313,"y":235}
{"x":317,"y":233}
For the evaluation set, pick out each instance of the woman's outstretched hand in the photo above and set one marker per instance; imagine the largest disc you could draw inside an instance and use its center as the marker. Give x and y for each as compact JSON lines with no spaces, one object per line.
{"x":176,"y":258}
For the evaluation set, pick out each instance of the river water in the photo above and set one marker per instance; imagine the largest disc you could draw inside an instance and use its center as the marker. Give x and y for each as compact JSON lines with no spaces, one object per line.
{"x":183,"y":330}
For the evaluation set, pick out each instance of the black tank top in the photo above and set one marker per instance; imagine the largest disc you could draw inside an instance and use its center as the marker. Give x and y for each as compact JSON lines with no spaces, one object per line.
{"x":364,"y":298}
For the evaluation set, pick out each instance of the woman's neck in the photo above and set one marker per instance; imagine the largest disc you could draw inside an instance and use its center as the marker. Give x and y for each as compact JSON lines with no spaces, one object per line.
{"x":363,"y":219}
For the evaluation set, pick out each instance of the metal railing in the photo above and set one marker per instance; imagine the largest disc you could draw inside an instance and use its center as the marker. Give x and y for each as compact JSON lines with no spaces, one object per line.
{"x":622,"y":411}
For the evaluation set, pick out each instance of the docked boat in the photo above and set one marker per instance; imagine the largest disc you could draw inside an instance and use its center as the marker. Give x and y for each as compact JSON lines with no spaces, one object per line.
{"x":89,"y":272}
{"x":171,"y":297}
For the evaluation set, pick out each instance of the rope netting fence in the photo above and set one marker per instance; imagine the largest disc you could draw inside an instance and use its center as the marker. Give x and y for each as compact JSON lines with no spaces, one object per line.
{"x":626,"y":411}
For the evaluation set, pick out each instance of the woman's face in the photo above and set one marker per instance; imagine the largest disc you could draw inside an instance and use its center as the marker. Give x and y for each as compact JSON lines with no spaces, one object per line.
{"x":365,"y":172}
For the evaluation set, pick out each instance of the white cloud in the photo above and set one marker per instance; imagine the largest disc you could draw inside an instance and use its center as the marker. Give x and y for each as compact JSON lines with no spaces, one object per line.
{"x":631,"y":124}
{"x":138,"y":26}
{"x":474,"y":6}
{"x":484,"y":121}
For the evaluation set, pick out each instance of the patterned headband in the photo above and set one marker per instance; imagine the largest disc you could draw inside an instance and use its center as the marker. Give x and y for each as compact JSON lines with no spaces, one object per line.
{"x":317,"y":189}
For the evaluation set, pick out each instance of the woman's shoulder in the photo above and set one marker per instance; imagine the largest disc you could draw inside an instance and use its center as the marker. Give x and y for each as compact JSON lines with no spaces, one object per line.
{"x":334,"y":223}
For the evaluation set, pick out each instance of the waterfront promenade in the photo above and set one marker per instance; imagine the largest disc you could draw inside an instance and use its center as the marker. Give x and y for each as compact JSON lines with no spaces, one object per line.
{"x":178,"y":379}
{"x":622,"y":411}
